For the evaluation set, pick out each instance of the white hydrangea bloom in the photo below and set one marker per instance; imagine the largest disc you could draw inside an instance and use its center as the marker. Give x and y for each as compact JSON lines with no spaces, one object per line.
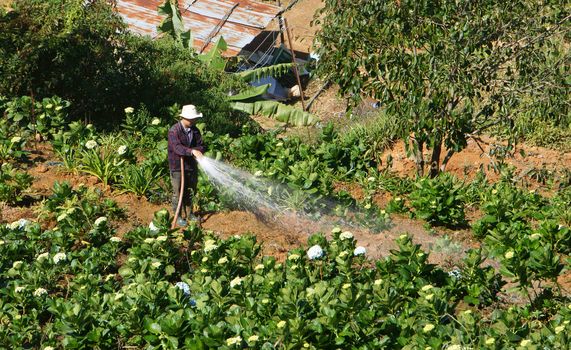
{"x":235,"y":282}
{"x":91,"y":144}
{"x":155,"y":121}
{"x":122,"y":150}
{"x":19,"y":289}
{"x":360,"y":251}
{"x":253,"y":338}
{"x":315,"y":252}
{"x":129,"y":110}
{"x":100,"y":220}
{"x":346,"y":235}
{"x":115,"y":239}
{"x":233,"y":341}
{"x":378,"y":282}
{"x":40,"y":291}
{"x":58,"y":257}
{"x":19,"y":224}
{"x":209,"y":245}
{"x":510,"y":254}
{"x":42,"y":257}
{"x":153,"y":227}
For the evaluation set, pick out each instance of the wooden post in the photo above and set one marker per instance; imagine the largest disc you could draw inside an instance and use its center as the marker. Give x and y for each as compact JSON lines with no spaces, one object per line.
{"x":296,"y":72}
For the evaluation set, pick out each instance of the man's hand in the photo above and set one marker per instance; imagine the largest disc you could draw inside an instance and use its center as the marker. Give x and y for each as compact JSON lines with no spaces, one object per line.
{"x":197,"y":154}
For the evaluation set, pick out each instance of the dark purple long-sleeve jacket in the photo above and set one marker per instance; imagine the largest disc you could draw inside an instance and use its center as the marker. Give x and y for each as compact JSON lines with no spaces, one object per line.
{"x":182,"y":144}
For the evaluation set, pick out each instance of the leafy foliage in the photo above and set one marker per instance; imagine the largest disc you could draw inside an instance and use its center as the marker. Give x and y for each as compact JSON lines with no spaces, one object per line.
{"x":448,"y":69}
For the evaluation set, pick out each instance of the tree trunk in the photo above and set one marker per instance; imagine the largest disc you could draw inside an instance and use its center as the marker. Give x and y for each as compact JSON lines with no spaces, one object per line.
{"x":435,"y":159}
{"x":418,"y":148}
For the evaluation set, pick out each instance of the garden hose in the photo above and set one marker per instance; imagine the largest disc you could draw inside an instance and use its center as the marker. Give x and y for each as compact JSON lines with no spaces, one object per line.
{"x":181,"y":192}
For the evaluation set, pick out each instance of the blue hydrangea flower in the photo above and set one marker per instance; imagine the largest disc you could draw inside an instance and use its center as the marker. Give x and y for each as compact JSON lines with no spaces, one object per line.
{"x":184,"y":287}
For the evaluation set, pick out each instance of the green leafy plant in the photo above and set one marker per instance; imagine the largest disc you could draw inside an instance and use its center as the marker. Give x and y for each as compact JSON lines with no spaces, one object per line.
{"x":13,"y":184}
{"x":439,"y":201}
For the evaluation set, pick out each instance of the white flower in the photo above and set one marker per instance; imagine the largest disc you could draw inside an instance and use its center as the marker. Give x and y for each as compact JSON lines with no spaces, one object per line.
{"x":315,"y":252}
{"x":100,"y":220}
{"x":559,"y":329}
{"x":259,"y":267}
{"x":49,"y":348}
{"x":152,"y":227}
{"x":19,"y":224}
{"x":122,"y":150}
{"x":58,"y":257}
{"x":209,"y":245}
{"x":184,"y":287}
{"x":42,"y":257}
{"x":428,"y":328}
{"x":235,"y":282}
{"x":346,"y":235}
{"x":378,"y":282}
{"x":155,"y":121}
{"x":281,"y":324}
{"x":156,"y":264}
{"x":359,"y":251}
{"x":293,"y":257}
{"x":253,"y":338}
{"x":509,"y":254}
{"x":16,"y":139}
{"x":91,"y":144}
{"x":2,"y":242}
{"x":19,"y":289}
{"x":162,"y":238}
{"x":40,"y":291}
{"x":115,"y":239}
{"x":525,"y":342}
{"x":149,"y":240}
{"x":223,"y":260}
{"x":17,"y":264}
{"x":204,"y":259}
{"x":129,"y":110}
{"x":233,"y":340}
{"x":490,"y":341}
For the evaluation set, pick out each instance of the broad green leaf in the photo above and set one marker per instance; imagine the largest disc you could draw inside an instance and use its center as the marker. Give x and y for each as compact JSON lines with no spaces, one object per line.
{"x":249,"y":93}
{"x":276,"y":70}
{"x":278,"y":111}
{"x":213,"y":58}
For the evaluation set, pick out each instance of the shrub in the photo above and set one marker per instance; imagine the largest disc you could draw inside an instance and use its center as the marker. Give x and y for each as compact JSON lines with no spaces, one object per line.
{"x":439,"y":201}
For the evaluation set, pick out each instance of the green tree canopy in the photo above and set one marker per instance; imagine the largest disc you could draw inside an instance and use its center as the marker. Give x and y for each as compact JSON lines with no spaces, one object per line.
{"x":448,"y":69}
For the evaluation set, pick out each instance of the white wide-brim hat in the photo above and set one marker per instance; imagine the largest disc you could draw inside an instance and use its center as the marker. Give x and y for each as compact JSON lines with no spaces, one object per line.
{"x":189,"y":112}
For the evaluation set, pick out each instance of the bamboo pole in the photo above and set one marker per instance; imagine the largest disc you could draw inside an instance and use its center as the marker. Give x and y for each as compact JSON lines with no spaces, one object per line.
{"x":296,"y":72}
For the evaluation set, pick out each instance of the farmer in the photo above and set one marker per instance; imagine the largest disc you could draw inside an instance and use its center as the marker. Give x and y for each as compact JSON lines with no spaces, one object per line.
{"x":185,"y":141}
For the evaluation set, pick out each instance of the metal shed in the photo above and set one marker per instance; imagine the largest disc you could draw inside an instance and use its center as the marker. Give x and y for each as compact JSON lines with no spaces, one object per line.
{"x":238,"y":21}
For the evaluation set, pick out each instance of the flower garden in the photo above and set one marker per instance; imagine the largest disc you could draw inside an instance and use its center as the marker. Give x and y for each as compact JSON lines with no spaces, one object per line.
{"x":77,"y":271}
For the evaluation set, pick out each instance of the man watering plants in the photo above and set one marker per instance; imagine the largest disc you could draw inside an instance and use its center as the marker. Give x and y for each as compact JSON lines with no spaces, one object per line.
{"x":185,"y":142}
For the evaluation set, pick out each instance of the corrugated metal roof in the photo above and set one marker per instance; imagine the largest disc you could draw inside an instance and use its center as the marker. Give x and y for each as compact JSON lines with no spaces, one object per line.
{"x":245,"y":22}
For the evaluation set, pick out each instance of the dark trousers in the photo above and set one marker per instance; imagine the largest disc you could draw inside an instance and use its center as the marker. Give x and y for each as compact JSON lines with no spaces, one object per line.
{"x":190,"y":182}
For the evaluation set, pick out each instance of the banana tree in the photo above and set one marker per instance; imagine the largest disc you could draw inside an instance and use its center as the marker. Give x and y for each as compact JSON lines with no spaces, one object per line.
{"x":250,"y":99}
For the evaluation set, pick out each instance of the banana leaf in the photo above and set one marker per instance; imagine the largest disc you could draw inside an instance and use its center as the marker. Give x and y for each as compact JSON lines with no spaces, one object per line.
{"x":173,"y":24}
{"x":249,"y":93}
{"x":213,"y":58}
{"x":275,"y":70}
{"x":279,"y":111}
